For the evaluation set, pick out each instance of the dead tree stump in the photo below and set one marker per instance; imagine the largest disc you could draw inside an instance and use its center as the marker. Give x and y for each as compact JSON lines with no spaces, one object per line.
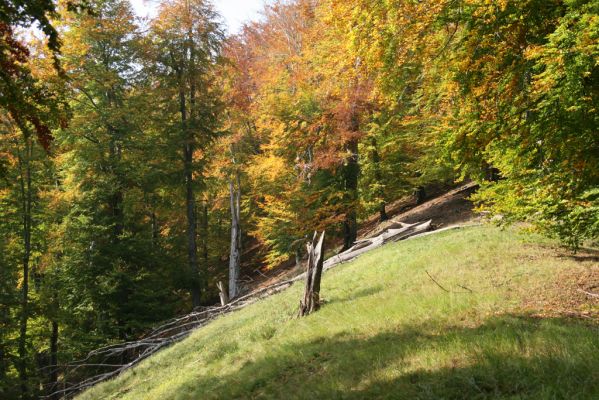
{"x":224,"y":297}
{"x":311,"y":300}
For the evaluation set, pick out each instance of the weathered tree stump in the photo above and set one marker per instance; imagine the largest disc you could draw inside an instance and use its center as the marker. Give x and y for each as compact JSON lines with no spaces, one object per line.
{"x":419,"y":195}
{"x":311,"y":300}
{"x":224,"y":297}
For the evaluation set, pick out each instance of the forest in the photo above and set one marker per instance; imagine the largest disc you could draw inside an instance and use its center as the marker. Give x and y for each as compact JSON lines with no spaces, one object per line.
{"x":145,"y":160}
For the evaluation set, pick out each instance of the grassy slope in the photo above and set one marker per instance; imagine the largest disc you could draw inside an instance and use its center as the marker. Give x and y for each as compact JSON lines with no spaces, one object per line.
{"x":387,"y":331}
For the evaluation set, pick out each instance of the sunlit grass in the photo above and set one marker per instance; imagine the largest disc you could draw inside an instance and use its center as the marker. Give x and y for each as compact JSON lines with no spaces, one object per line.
{"x":388,"y":331}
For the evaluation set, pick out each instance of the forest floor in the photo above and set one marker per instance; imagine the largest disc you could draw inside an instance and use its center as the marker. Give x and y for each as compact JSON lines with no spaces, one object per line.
{"x":476,"y":313}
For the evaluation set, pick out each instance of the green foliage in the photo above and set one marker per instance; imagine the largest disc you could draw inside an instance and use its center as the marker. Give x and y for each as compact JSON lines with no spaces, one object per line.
{"x":106,"y":251}
{"x":540,"y":129}
{"x":322,"y":112}
{"x":21,"y":199}
{"x":508,"y":85}
{"x":28,"y":100}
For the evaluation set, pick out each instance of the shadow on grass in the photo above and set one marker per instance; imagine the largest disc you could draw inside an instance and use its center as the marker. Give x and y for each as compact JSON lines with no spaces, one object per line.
{"x":511,"y":356}
{"x":354,"y":295}
{"x":582,"y":254}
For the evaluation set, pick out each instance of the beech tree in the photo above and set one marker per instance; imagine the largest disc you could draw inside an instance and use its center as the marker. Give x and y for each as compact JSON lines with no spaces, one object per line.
{"x":187,"y":42}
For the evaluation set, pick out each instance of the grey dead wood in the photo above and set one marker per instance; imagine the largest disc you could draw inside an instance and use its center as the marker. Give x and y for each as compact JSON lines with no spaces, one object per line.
{"x":235,"y":253}
{"x":311,"y":299}
{"x":222,"y":292}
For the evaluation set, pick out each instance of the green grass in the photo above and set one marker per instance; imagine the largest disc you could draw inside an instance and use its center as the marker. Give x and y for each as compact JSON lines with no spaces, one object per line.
{"x":387,"y":331}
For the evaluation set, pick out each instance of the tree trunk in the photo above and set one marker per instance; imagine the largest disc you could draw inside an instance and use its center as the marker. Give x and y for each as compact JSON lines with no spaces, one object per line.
{"x":154,"y":228}
{"x":115,"y":157}
{"x":311,"y":299}
{"x":222,"y":292}
{"x":383,"y":212}
{"x":26,"y":200}
{"x":116,"y":203}
{"x":419,"y":195}
{"x":352,"y":170}
{"x":205,"y":234}
{"x":188,"y":149}
{"x":53,"y":387}
{"x":3,"y":364}
{"x":191,"y":224}
{"x":235,"y":253}
{"x":378,"y":177}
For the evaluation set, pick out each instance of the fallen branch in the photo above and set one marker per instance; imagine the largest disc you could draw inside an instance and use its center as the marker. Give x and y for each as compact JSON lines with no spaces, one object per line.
{"x":164,"y":335}
{"x":468,"y":290}
{"x":437,"y":283}
{"x":589,"y":293}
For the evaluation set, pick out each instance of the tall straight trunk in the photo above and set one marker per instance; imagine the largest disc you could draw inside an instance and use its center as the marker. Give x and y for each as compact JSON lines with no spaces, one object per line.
{"x":205,"y":234}
{"x":26,"y":200}
{"x":53,"y":387}
{"x":235,"y":253}
{"x":351,"y":173}
{"x":154,"y":228}
{"x":188,"y":149}
{"x":378,"y":177}
{"x":116,"y":204}
{"x":3,"y":363}
{"x":350,"y":223}
{"x":117,"y":197}
{"x":115,"y":157}
{"x":192,"y":249}
{"x":190,"y":126}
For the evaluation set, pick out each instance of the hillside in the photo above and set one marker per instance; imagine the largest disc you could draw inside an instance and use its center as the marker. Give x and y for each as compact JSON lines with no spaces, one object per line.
{"x":471,"y":313}
{"x":445,"y":205}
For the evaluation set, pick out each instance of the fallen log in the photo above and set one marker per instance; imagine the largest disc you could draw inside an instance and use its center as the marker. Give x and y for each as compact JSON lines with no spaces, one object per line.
{"x":389,"y":235}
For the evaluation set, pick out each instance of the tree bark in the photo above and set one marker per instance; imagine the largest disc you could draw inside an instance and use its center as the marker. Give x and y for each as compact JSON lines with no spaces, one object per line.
{"x":192,"y":251}
{"x":117,"y":197}
{"x":191,"y":141}
{"x":235,"y":253}
{"x":351,"y":175}
{"x":352,"y":170}
{"x":311,"y":299}
{"x":222,"y":292}
{"x":383,"y":212}
{"x":116,"y":203}
{"x":378,"y":177}
{"x":26,"y":201}
{"x":420,"y":195}
{"x":154,"y":228}
{"x":53,"y":387}
{"x":188,"y":149}
{"x":115,"y":156}
{"x":205,"y":234}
